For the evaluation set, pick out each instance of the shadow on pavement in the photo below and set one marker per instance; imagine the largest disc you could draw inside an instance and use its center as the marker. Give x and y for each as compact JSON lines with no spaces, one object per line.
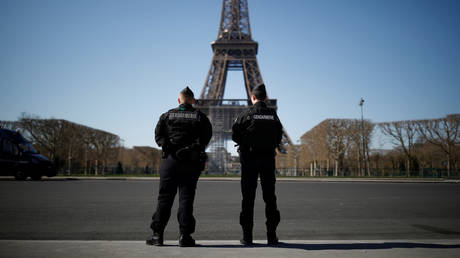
{"x":339,"y":246}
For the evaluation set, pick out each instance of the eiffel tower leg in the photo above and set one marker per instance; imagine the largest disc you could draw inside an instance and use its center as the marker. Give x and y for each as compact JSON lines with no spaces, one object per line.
{"x":215,"y":81}
{"x":252,"y":75}
{"x":218,"y":152}
{"x":214,"y":89}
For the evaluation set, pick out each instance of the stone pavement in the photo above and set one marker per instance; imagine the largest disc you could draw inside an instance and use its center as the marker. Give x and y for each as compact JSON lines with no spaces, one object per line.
{"x":232,"y":248}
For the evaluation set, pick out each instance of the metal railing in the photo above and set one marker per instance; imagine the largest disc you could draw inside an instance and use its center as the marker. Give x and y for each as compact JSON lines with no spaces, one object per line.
{"x":230,"y":102}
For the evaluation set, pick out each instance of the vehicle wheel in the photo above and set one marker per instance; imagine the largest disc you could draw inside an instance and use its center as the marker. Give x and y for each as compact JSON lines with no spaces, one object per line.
{"x":20,"y":175}
{"x":36,"y":177}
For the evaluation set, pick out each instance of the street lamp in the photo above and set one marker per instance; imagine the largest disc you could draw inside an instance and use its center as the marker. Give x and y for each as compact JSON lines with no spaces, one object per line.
{"x":361,"y":104}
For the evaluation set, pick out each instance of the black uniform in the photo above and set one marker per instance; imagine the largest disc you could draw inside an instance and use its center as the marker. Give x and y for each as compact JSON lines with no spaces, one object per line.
{"x":258,"y":132}
{"x":178,"y":129}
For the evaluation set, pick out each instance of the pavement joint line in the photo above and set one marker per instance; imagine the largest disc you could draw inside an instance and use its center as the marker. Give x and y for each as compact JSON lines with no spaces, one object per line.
{"x":284,"y":179}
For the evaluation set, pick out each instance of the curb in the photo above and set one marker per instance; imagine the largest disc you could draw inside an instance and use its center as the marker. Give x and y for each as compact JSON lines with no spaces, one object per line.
{"x":283,"y":179}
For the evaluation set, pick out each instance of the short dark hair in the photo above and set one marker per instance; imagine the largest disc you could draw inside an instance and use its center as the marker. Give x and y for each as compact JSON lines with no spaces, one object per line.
{"x":259,"y":92}
{"x":187,"y":92}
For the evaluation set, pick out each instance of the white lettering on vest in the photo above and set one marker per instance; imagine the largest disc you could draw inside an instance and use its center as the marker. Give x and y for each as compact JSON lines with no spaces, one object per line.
{"x":264,"y":117}
{"x":182,"y":115}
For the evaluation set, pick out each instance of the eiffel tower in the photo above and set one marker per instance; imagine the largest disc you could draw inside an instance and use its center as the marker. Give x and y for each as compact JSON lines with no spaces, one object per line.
{"x":234,"y":50}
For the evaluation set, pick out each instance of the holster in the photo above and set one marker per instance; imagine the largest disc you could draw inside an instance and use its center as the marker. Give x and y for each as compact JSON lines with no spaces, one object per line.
{"x":252,"y":151}
{"x":188,"y":154}
{"x":193,"y":155}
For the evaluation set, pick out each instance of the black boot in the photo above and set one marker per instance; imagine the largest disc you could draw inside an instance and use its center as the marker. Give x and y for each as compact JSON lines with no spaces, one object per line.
{"x":186,"y":240}
{"x":272,"y":239}
{"x":155,"y":239}
{"x":247,"y":237}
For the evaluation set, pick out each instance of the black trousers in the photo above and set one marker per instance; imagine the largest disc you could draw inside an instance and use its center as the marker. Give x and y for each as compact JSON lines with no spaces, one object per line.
{"x":251,"y":167}
{"x":175,"y":175}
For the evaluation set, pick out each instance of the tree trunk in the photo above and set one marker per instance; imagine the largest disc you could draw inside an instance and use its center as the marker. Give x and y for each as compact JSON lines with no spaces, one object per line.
{"x":359,"y":164}
{"x":383,"y":168}
{"x":86,"y":161}
{"x":392,"y":167}
{"x":368,"y":163}
{"x":408,"y":167}
{"x":336,"y":172}
{"x":296,"y":161}
{"x":368,"y":166}
{"x":314,"y":168}
{"x":431,"y":168}
{"x":448,"y":165}
{"x":320,"y":168}
{"x":311,"y":168}
{"x":69,"y":158}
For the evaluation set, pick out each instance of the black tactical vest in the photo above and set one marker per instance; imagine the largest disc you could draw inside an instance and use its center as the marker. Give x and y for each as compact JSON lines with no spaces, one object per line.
{"x":262,"y":130}
{"x":183,"y":126}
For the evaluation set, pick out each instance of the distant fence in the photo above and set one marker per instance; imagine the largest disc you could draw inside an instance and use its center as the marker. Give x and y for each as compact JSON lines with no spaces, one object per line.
{"x":110,"y":171}
{"x":293,"y":172}
{"x":425,"y":173}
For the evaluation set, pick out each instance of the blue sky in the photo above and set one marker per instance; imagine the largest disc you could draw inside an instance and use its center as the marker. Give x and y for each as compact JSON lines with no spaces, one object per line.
{"x":117,"y":65}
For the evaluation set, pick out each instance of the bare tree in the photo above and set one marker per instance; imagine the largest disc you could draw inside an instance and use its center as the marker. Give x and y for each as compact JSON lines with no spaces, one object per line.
{"x":11,"y":125}
{"x":338,"y":140}
{"x":443,"y":132}
{"x":105,"y":147}
{"x":428,"y":155}
{"x":314,"y":142}
{"x":404,"y":135}
{"x":360,"y":135}
{"x":65,"y":141}
{"x":47,"y":133}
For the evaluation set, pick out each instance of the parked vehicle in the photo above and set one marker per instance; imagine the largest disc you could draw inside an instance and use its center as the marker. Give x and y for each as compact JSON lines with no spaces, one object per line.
{"x":19,"y":158}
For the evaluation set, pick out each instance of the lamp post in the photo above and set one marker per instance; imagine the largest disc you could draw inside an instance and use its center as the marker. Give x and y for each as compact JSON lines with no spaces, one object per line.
{"x":361,"y":104}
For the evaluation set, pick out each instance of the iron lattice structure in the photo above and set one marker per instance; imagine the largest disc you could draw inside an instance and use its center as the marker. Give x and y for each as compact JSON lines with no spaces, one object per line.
{"x":234,"y":49}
